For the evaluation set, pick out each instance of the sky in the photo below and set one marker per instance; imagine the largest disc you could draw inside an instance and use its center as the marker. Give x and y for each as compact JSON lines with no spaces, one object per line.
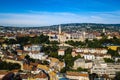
{"x":51,"y":12}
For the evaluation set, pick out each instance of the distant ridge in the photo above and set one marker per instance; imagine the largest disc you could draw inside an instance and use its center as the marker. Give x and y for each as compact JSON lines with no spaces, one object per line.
{"x":69,"y":24}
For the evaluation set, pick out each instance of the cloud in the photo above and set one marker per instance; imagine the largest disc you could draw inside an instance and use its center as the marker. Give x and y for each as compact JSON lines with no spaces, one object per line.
{"x":36,"y":18}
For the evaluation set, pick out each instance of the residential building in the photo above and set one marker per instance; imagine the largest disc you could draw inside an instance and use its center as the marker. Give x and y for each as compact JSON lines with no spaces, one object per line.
{"x":32,"y":48}
{"x":77,"y":76}
{"x":34,"y":76}
{"x":79,"y":63}
{"x":61,"y":52}
{"x":40,"y":56}
{"x":112,"y":68}
{"x":101,"y":68}
{"x":56,"y":64}
{"x":91,"y":53}
{"x":82,"y":63}
{"x":91,"y":50}
{"x":89,"y":57}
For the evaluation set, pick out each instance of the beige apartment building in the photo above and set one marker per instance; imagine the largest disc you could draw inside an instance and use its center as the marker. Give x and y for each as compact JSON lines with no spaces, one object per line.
{"x":82,"y":63}
{"x":101,"y":68}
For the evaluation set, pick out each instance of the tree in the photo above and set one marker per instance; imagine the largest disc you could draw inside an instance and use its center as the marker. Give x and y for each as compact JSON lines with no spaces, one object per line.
{"x":113,"y":52}
{"x":9,"y":66}
{"x":54,"y":42}
{"x":45,"y":63}
{"x":68,"y":50}
{"x":17,"y":77}
{"x":75,"y":43}
{"x":44,"y":39}
{"x":81,"y":69}
{"x":14,"y":52}
{"x":93,"y":76}
{"x":117,"y":77}
{"x":63,"y":70}
{"x":10,"y":41}
{"x":23,"y":40}
{"x":53,"y":54}
{"x":108,"y":60}
{"x":69,"y":61}
{"x":102,"y":34}
{"x":27,"y":57}
{"x":77,"y":57}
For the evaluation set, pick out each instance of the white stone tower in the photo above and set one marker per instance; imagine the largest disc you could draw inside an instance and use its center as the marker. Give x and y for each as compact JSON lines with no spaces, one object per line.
{"x":84,"y":34}
{"x":59,"y":29}
{"x":103,"y":30}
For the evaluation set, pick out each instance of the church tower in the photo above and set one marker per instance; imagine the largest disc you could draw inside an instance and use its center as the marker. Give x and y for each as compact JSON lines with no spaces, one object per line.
{"x":59,"y":29}
{"x":84,"y":34}
{"x":103,"y":30}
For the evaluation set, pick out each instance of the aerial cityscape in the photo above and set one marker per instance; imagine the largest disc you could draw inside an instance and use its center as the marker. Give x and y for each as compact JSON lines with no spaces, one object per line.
{"x":59,"y":40}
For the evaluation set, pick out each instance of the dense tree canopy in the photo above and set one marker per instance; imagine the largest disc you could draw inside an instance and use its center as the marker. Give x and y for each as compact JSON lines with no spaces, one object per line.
{"x":26,"y":39}
{"x":117,"y":77}
{"x":76,"y":43}
{"x":113,"y":53}
{"x":94,"y":43}
{"x":9,"y":66}
{"x":108,"y":60}
{"x":10,"y":41}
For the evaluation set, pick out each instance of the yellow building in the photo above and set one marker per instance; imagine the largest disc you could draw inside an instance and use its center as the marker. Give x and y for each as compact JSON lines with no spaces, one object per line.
{"x":113,"y":47}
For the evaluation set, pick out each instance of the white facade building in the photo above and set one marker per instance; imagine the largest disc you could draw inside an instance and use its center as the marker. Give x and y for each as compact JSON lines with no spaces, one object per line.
{"x":91,"y":50}
{"x":89,"y":57}
{"x":40,"y":56}
{"x":61,"y":52}
{"x":32,"y":47}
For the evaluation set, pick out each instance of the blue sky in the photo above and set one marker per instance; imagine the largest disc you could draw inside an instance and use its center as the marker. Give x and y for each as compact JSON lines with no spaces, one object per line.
{"x":49,"y":12}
